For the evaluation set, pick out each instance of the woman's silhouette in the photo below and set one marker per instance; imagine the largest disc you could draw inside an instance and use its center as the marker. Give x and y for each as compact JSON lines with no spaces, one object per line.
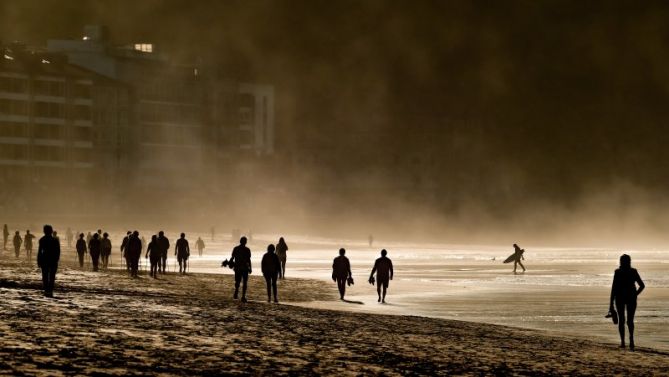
{"x":624,"y":291}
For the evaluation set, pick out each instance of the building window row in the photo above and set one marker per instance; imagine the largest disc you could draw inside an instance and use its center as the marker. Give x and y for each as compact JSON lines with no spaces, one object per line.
{"x":44,"y":153}
{"x":43,"y":109}
{"x":43,"y":87}
{"x":151,"y":112}
{"x":171,"y":92}
{"x":44,"y":131}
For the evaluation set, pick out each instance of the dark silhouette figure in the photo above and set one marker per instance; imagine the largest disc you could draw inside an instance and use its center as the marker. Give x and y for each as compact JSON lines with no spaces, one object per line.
{"x":81,"y":249}
{"x":182,"y":251}
{"x":341,"y":272}
{"x":516,"y":258}
{"x":624,"y":292}
{"x":371,"y":240}
{"x":106,"y":250}
{"x":28,"y":243}
{"x":281,"y":249}
{"x":70,"y":237}
{"x":95,"y":248}
{"x":5,"y":236}
{"x":164,"y":245}
{"x":89,"y":237}
{"x":154,"y":255}
{"x":48,"y":255}
{"x":134,"y":252}
{"x":384,"y":273}
{"x":271,"y":270}
{"x":17,"y":243}
{"x":200,"y":246}
{"x":124,"y":249}
{"x":241,"y":257}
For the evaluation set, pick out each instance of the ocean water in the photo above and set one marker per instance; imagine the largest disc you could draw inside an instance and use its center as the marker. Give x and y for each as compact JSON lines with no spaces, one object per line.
{"x":565,"y":290}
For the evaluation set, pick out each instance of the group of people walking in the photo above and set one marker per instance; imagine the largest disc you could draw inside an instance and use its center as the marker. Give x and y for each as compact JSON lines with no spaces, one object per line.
{"x":26,"y":241}
{"x":383,"y":268}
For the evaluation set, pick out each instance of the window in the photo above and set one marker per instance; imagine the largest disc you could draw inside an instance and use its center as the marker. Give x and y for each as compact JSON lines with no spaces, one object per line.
{"x":49,"y":153}
{"x":48,"y":131}
{"x":82,"y":91}
{"x":49,"y":110}
{"x":11,"y":129}
{"x":82,"y":112}
{"x":13,"y":107}
{"x":82,"y":154}
{"x":13,"y":152}
{"x":49,"y":88}
{"x":82,"y":133}
{"x":13,"y":85}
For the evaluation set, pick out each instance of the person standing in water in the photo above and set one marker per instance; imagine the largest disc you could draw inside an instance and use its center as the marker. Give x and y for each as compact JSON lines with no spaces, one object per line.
{"x":241,"y":258}
{"x":17,"y":243}
{"x":182,"y":251}
{"x":624,"y":292}
{"x":95,"y":248}
{"x":271,"y":270}
{"x":281,"y":249}
{"x":384,"y":273}
{"x":81,"y":249}
{"x":48,"y":255}
{"x":28,"y":243}
{"x":154,"y":255}
{"x":200,"y":246}
{"x":341,"y":272}
{"x":106,"y":250}
{"x":5,"y":237}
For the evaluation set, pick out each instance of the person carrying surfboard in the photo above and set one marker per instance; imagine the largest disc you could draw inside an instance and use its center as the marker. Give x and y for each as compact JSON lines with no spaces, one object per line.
{"x":516,"y":258}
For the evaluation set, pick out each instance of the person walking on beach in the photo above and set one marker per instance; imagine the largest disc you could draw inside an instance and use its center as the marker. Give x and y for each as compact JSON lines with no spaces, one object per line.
{"x":124,"y":249}
{"x":371,"y":240}
{"x":89,"y":237}
{"x":48,"y":255}
{"x":384,"y":273}
{"x":81,"y":249}
{"x":5,"y":237}
{"x":94,"y":249}
{"x":164,"y":245}
{"x":134,"y":252}
{"x":28,"y":243}
{"x":241,"y":258}
{"x":624,"y":292}
{"x":17,"y":243}
{"x":106,"y":250}
{"x":154,"y":255}
{"x":200,"y":246}
{"x":341,"y":272}
{"x":70,"y":236}
{"x":518,"y":253}
{"x":182,"y":251}
{"x":281,"y":249}
{"x":271,"y":270}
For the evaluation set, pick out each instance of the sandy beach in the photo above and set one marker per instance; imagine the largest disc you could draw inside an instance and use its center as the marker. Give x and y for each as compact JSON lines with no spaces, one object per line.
{"x":108,"y":324}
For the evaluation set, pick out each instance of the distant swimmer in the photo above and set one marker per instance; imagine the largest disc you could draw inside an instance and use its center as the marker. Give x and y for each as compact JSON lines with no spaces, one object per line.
{"x":81,"y":249}
{"x":384,"y":273}
{"x":124,"y":249}
{"x":341,"y":272}
{"x":5,"y":236}
{"x":241,"y":258}
{"x":134,"y":252}
{"x":164,"y":245}
{"x":271,"y":269}
{"x":281,"y":249}
{"x":182,"y":251}
{"x":153,"y":252}
{"x":70,"y":236}
{"x":200,"y":246}
{"x":95,"y":249}
{"x":48,"y":255}
{"x":624,"y":293}
{"x":28,"y":243}
{"x":106,"y":250}
{"x":17,"y":243}
{"x":516,"y":258}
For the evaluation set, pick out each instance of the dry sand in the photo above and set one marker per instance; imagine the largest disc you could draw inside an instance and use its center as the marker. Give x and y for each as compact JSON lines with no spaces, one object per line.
{"x":108,"y":324}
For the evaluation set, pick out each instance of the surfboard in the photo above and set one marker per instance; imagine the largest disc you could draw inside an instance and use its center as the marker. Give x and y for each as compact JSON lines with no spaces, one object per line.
{"x":511,"y":258}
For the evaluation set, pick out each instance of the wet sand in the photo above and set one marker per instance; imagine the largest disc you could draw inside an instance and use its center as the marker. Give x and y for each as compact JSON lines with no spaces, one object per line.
{"x":108,"y":324}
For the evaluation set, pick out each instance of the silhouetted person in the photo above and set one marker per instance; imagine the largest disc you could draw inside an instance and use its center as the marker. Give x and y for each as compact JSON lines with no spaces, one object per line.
{"x":154,"y":254}
{"x":384,"y":274}
{"x":182,"y":251}
{"x":70,"y":236}
{"x":28,"y":243}
{"x":89,"y":237}
{"x":48,"y":255}
{"x":281,"y":249}
{"x":124,"y":249}
{"x":81,"y":249}
{"x":624,"y":292}
{"x":95,"y":248}
{"x":518,"y":256}
{"x":371,"y":240}
{"x":164,"y":245}
{"x":134,"y":252}
{"x":241,"y":257}
{"x":5,"y":236}
{"x":106,"y":250}
{"x":271,"y":268}
{"x":341,"y":271}
{"x":17,"y":243}
{"x":200,"y":246}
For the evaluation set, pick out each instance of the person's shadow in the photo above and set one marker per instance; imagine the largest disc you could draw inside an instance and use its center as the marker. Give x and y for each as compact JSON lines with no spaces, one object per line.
{"x":353,"y":302}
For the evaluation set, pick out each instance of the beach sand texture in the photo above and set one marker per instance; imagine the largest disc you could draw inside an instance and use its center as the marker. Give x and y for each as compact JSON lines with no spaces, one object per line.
{"x":108,"y":324}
